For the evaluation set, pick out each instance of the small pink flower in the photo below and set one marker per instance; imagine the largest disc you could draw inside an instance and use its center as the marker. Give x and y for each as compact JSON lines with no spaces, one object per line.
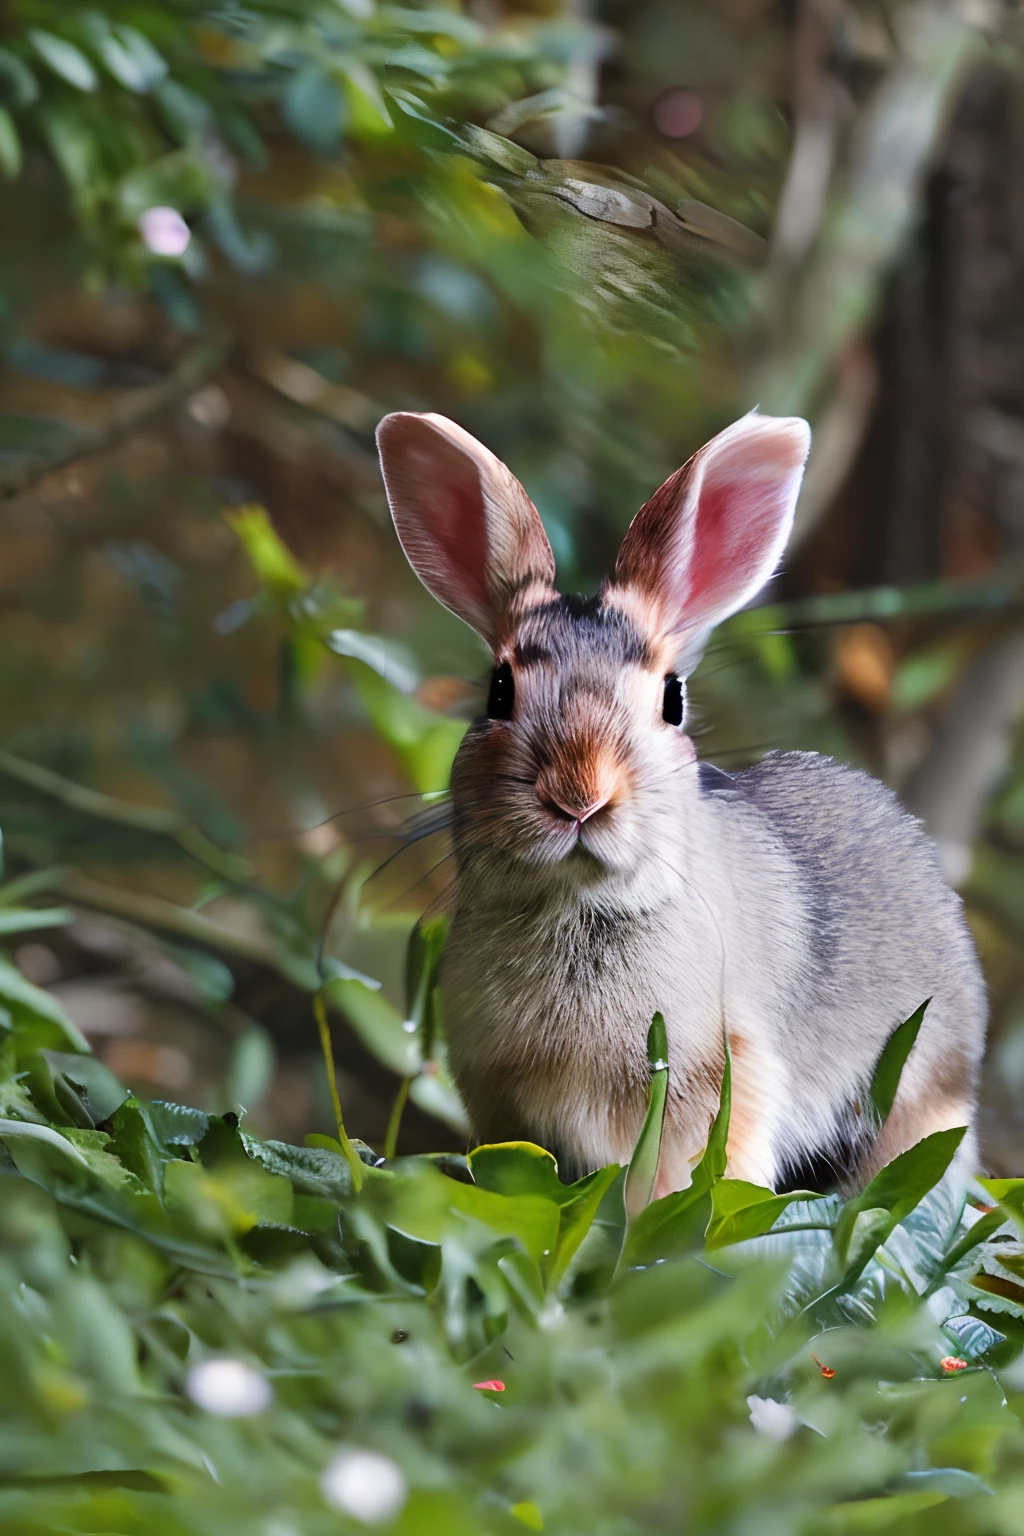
{"x":164,"y":231}
{"x":489,"y":1386}
{"x":952,"y":1363}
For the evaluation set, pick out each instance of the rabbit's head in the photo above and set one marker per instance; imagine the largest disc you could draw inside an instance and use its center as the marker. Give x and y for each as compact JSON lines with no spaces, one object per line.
{"x":569,"y":776}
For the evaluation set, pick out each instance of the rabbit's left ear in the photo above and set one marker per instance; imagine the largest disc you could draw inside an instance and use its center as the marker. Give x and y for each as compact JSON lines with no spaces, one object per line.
{"x":711,"y":537}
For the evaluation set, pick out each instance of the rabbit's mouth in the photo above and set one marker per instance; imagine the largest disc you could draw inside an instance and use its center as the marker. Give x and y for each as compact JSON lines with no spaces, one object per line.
{"x":583,"y":848}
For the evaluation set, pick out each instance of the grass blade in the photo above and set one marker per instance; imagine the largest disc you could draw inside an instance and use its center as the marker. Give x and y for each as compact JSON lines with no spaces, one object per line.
{"x":643,"y":1165}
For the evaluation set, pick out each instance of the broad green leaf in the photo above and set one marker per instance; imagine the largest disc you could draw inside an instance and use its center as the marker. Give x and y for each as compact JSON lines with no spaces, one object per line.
{"x":14,"y":1132}
{"x":86,"y":1090}
{"x":643,"y":1165}
{"x":895,"y":1191}
{"x":64,"y":58}
{"x":30,"y":1004}
{"x":433,"y":1208}
{"x":521,"y":1168}
{"x":133,"y":1143}
{"x":311,"y":1170}
{"x":388,"y":659}
{"x":424,"y":743}
{"x":314,"y":107}
{"x":377,"y":1023}
{"x":741,"y":1211}
{"x":229,"y":1199}
{"x":97,"y":1149}
{"x":893,"y":1058}
{"x":973,"y":1337}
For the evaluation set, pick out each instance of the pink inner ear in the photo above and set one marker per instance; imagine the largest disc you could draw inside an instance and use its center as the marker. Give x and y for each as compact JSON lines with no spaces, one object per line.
{"x":737,"y":527}
{"x":438,"y":507}
{"x":461,"y":534}
{"x":711,"y":536}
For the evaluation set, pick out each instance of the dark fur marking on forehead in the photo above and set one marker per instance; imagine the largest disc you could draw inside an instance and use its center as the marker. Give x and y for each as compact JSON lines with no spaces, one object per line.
{"x":573,"y":624}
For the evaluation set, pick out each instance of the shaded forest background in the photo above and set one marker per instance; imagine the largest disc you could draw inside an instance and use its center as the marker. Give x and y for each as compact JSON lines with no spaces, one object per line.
{"x":232,"y":237}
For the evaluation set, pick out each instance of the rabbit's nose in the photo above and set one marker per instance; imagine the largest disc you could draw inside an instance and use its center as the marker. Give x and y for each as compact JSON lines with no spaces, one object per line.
{"x":567,"y":812}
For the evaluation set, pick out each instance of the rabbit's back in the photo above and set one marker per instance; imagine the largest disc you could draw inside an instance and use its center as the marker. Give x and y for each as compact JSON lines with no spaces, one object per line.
{"x":886,"y":933}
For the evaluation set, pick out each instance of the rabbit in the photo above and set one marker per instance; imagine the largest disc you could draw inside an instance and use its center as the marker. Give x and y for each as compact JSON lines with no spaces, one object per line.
{"x":604,"y":873}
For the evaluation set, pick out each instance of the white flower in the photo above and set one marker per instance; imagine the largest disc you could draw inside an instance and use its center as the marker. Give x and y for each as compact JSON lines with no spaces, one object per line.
{"x":776,"y":1420}
{"x":164,"y":231}
{"x":229,"y":1388}
{"x":364,"y":1484}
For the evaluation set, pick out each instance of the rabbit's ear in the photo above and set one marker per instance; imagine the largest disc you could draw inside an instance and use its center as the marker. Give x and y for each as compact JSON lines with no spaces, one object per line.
{"x":712,"y":535}
{"x":471,"y":533}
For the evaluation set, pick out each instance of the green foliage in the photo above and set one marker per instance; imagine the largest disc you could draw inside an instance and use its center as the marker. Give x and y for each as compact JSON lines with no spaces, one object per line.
{"x":199,"y":1329}
{"x":891,"y":1062}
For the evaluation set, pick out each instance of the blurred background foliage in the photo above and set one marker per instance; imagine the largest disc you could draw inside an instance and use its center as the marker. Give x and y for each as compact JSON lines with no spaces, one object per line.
{"x":232,"y":236}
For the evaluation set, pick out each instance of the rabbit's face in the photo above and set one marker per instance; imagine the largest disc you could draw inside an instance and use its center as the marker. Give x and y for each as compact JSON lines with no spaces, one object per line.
{"x":570,"y":777}
{"x":570,"y":774}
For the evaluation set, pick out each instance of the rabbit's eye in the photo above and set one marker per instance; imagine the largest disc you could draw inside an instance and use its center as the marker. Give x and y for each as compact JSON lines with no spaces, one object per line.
{"x":502,"y":693}
{"x":672,"y":700}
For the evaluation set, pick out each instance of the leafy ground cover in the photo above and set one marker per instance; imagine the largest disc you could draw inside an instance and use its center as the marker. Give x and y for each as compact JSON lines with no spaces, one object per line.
{"x":202,"y":1331}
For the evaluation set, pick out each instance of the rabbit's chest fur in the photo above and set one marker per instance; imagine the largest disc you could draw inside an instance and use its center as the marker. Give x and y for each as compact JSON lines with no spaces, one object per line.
{"x":549,"y":1004}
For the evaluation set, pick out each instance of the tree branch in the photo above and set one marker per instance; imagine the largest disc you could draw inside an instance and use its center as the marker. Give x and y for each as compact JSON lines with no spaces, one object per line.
{"x":128,"y":414}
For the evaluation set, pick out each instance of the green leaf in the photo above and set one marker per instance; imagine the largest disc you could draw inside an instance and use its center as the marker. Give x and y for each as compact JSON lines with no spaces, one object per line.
{"x":879,"y":1514}
{"x":677,"y":1223}
{"x":312,"y":1170}
{"x":130,"y":57}
{"x":31,"y":1005}
{"x":314,"y":107}
{"x":424,"y":743}
{"x":521,"y":1168}
{"x":643,"y":1165}
{"x":10,"y":145}
{"x":423,"y":960}
{"x":388,"y":659}
{"x":891,"y":1195}
{"x":64,"y":58}
{"x":18,"y":86}
{"x":973,"y":1337}
{"x":251,"y":1068}
{"x":96,"y":1148}
{"x":276,"y":567}
{"x":377,"y":1023}
{"x":893,"y":1058}
{"x":741,"y":1211}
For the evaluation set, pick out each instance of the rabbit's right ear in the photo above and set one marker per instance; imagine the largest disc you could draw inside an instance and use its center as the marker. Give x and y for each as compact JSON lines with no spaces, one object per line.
{"x":469,"y":530}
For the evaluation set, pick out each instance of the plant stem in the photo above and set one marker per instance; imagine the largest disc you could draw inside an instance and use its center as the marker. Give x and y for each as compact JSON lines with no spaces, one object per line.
{"x":395,"y":1119}
{"x":351,"y":1155}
